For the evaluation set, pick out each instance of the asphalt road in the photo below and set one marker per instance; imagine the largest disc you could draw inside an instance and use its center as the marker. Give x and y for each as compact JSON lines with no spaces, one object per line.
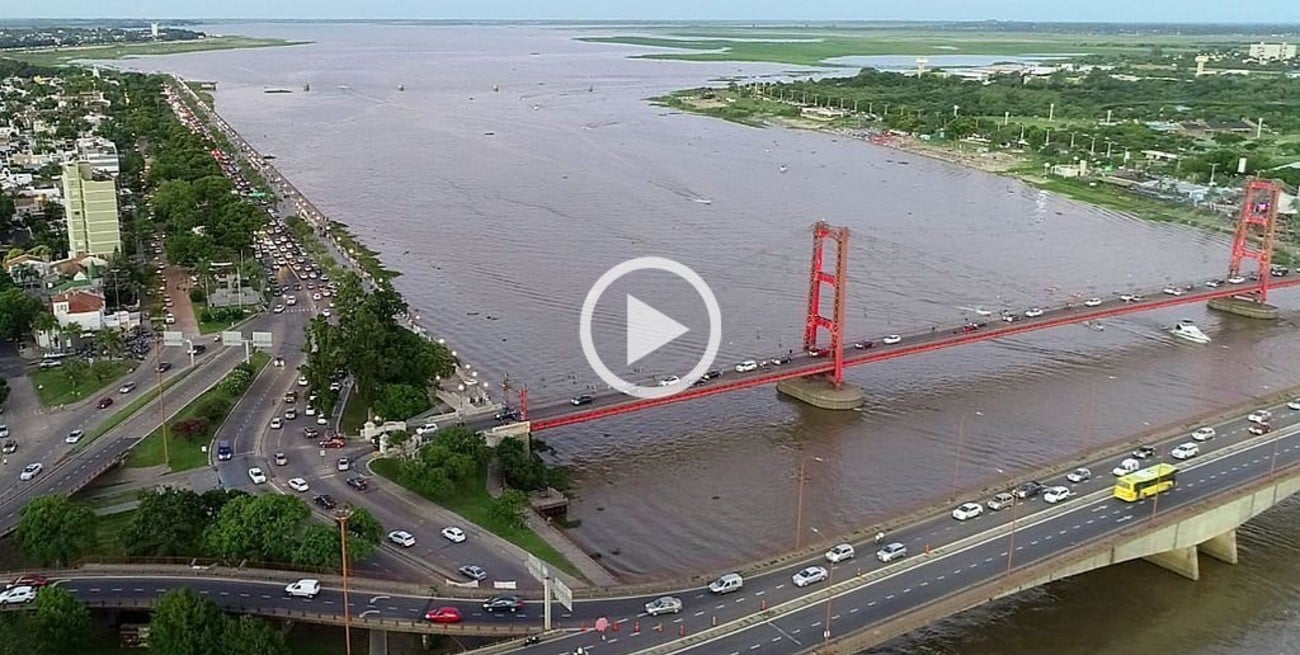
{"x":899,"y":587}
{"x":556,"y":413}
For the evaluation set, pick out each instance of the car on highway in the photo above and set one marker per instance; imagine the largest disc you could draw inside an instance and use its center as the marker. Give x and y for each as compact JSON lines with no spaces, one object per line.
{"x":1092,"y":302}
{"x":1236,"y":279}
{"x":28,"y":580}
{"x":305,"y":588}
{"x":127,"y":388}
{"x":4,"y":431}
{"x":1260,"y":416}
{"x":290,"y":414}
{"x":281,"y":459}
{"x":891,"y":552}
{"x":402,"y":538}
{"x":727,"y":583}
{"x":584,"y":399}
{"x":1203,"y":434}
{"x":74,"y":436}
{"x":1127,"y":466}
{"x":1173,"y":291}
{"x":1001,"y":501}
{"x":664,"y":605}
{"x":443,"y":615}
{"x":31,"y":471}
{"x":967,"y":511}
{"x":473,"y":572}
{"x":1057,"y":494}
{"x":278,"y":309}
{"x":256,"y":475}
{"x":298,"y":484}
{"x":10,"y":446}
{"x":333,"y":442}
{"x":840,"y":553}
{"x":310,"y":433}
{"x":163,"y":367}
{"x":1033,"y":312}
{"x":311,"y":411}
{"x":502,"y":603}
{"x":453,"y":534}
{"x":1185,"y":450}
{"x":344,"y":464}
{"x":1260,"y":428}
{"x":427,"y":428}
{"x":302,"y":381}
{"x":863,"y":345}
{"x":668,"y":380}
{"x":325,"y":312}
{"x":747,"y":366}
{"x":1294,"y":404}
{"x":1081,"y":474}
{"x":104,"y":403}
{"x":276,"y":423}
{"x":17,"y":595}
{"x":809,"y":575}
{"x":1144,"y":452}
{"x":324,"y":501}
{"x":322,"y":420}
{"x":360,"y":484}
{"x":891,"y":339}
{"x":1028,"y":489}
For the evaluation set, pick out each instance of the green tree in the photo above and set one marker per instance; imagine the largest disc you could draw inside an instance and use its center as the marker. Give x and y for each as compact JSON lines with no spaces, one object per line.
{"x":247,"y":635}
{"x":171,"y":522}
{"x":510,"y":508}
{"x":111,"y":343}
{"x":17,"y":311}
{"x":519,"y":467}
{"x":61,"y":624}
{"x":54,"y":530}
{"x":185,"y":623}
{"x":75,"y":369}
{"x":262,"y":528}
{"x":398,"y":402}
{"x":102,"y":370}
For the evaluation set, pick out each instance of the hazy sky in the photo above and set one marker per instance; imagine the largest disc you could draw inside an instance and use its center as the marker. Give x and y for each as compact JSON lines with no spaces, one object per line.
{"x":1256,"y":11}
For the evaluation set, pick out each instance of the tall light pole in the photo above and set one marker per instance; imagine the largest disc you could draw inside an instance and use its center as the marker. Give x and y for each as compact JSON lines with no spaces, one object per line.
{"x":798,"y":516}
{"x":826,"y":633}
{"x":162,"y":410}
{"x":342,"y":516}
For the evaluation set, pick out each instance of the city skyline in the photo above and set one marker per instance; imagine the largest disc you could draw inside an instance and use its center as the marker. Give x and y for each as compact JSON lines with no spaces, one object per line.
{"x":1111,"y":11}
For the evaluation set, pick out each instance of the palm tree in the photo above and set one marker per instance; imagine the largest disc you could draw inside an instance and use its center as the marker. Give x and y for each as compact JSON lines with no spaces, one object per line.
{"x":111,"y":343}
{"x":45,"y":324}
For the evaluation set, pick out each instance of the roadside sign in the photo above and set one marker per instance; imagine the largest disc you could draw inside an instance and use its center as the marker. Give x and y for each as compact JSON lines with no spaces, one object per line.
{"x":537,"y":569}
{"x":232,"y":338}
{"x":262,"y":340}
{"x":173,"y":338}
{"x":562,"y":593}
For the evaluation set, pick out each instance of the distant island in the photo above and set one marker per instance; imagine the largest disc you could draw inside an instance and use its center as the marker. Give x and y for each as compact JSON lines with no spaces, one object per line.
{"x":46,"y":43}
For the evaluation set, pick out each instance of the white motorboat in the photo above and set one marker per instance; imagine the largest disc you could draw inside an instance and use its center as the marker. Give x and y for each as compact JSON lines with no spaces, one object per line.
{"x":1187,"y":331}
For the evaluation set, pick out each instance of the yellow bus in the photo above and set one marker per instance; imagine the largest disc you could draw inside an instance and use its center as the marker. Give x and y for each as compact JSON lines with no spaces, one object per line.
{"x":1146,"y":482}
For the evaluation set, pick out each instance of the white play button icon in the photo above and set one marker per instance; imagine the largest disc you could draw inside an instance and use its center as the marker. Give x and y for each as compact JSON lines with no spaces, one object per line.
{"x":648,"y":329}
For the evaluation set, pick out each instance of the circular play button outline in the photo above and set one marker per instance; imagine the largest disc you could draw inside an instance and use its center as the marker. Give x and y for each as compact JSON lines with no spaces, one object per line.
{"x":658,"y":264}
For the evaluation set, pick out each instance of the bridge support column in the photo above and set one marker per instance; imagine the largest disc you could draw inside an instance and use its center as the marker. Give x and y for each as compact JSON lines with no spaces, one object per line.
{"x":1244,"y":307}
{"x":378,"y":642}
{"x":1222,"y":547}
{"x":823,"y":393}
{"x":1182,"y":561}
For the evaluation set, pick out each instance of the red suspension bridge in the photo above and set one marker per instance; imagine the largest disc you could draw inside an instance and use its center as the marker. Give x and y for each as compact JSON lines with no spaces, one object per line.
{"x":826,"y":353}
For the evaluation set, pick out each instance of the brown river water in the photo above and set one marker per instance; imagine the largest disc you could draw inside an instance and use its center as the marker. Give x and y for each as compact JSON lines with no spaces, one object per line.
{"x":501,"y":208}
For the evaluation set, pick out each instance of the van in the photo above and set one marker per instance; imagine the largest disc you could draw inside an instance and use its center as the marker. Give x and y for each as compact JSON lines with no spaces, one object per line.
{"x":1127,"y":466}
{"x":727,"y":584}
{"x":223,"y":450}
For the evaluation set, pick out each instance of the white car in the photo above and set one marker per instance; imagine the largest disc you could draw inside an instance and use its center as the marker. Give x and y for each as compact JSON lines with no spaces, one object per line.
{"x":298,"y":484}
{"x":1001,"y":501}
{"x":664,"y":605}
{"x":840,"y":553}
{"x":278,"y":309}
{"x":18,"y":595}
{"x":402,"y":538}
{"x":325,"y":312}
{"x":1203,"y":434}
{"x":1128,"y":297}
{"x":305,"y":588}
{"x":747,"y":366}
{"x":1260,"y":416}
{"x":4,"y":431}
{"x":302,"y":381}
{"x":891,"y":552}
{"x":30,"y":471}
{"x":344,"y":464}
{"x":669,"y":380}
{"x":1056,"y":494}
{"x":281,"y":459}
{"x":126,"y":388}
{"x":1236,"y":279}
{"x":256,"y":475}
{"x":967,"y":511}
{"x":1185,"y":450}
{"x":891,"y":340}
{"x":809,"y":575}
{"x":453,"y":534}
{"x":310,"y":411}
{"x":1033,"y":312}
{"x":1294,"y":404}
{"x":74,"y":436}
{"x":1173,"y":291}
{"x":1127,"y":466}
{"x":276,"y":423}
{"x":427,"y":428}
{"x":1092,"y":302}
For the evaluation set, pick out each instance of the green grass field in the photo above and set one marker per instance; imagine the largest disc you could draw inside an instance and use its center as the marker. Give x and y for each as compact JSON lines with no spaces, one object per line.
{"x":186,"y":453}
{"x":108,"y":534}
{"x":814,"y":46}
{"x":54,"y":387}
{"x":354,"y":415}
{"x":62,"y":56}
{"x":474,"y":503}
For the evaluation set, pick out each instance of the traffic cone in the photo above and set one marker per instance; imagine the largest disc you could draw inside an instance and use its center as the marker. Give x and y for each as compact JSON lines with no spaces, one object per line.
{"x":636,"y":628}
{"x":616,"y":626}
{"x":682,"y":632}
{"x":715,"y":622}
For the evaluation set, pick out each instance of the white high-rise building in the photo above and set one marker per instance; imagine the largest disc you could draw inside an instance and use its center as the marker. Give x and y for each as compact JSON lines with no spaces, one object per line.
{"x":100,"y":153}
{"x":1272,"y":51}
{"x":153,"y":30}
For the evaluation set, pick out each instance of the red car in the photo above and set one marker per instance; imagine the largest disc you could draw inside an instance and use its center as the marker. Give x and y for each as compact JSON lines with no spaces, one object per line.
{"x":333,"y":442}
{"x":28,"y":580}
{"x":443,"y":615}
{"x":105,"y":402}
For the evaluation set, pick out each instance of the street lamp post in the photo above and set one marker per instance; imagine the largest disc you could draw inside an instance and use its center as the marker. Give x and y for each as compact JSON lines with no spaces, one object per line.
{"x":343,"y":515}
{"x":798,"y":516}
{"x":826,"y":633}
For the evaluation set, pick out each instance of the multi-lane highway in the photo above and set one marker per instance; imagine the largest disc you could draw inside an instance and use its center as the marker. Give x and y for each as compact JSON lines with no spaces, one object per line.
{"x":874,"y":349}
{"x":965,"y":553}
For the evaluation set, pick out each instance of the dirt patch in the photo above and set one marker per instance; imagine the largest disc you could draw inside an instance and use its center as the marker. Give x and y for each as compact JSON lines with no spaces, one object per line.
{"x":178,"y":290}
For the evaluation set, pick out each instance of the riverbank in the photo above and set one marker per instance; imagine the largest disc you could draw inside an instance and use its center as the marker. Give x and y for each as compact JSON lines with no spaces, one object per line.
{"x":66,"y":56}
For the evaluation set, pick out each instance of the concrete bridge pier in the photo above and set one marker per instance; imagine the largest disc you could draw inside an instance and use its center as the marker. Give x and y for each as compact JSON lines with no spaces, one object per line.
{"x":821,"y":393}
{"x":1182,"y":561}
{"x":378,"y":642}
{"x":1222,"y":547}
{"x":1244,"y":307}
